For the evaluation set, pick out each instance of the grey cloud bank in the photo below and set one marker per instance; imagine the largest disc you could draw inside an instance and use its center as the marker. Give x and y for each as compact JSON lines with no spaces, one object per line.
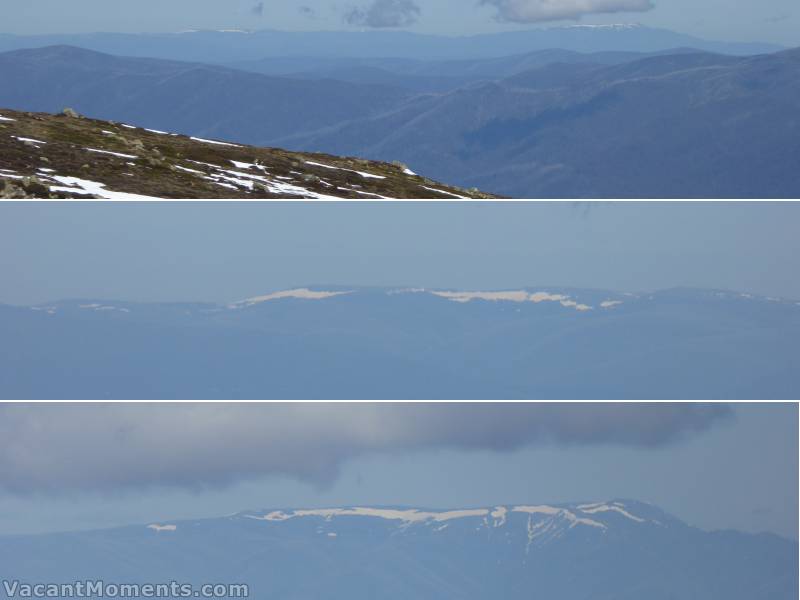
{"x":535,"y":11}
{"x":55,"y":448}
{"x":384,"y":13}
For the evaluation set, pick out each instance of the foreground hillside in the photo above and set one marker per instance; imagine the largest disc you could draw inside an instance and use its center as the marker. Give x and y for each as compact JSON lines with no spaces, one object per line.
{"x":354,"y":343}
{"x":68,"y":156}
{"x":616,"y":550}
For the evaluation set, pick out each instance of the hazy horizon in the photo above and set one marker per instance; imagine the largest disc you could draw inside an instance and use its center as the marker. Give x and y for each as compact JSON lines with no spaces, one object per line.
{"x":224,"y":252}
{"x":775,"y":21}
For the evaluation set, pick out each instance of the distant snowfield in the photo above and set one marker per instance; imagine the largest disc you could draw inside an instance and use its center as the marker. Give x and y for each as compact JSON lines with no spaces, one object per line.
{"x":300,"y":293}
{"x":518,"y":296}
{"x":514,"y":296}
{"x":160,"y":528}
{"x":569,"y":516}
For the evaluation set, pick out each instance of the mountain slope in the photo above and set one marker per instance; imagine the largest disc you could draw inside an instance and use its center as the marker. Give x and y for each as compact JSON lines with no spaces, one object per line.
{"x":353,"y":343}
{"x":189,"y":98}
{"x":432,"y":75}
{"x":671,"y":126}
{"x":622,"y":550}
{"x":48,"y":156}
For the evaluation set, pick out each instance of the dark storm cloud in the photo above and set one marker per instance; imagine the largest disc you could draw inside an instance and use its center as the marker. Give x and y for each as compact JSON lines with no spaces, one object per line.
{"x":534,"y":11}
{"x":384,"y":13}
{"x":110,"y":447}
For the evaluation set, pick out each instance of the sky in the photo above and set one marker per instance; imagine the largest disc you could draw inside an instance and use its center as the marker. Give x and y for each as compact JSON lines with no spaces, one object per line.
{"x":73,"y":467}
{"x":228,"y":251}
{"x":776,"y":21}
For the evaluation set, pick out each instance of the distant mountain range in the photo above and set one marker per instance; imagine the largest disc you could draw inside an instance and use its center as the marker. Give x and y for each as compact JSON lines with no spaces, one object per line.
{"x":230,"y":46}
{"x":554,"y":123}
{"x":384,"y":343}
{"x":616,"y":550}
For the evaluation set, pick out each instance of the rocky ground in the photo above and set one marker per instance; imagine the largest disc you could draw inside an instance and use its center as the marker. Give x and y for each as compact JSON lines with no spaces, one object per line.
{"x":70,"y":156}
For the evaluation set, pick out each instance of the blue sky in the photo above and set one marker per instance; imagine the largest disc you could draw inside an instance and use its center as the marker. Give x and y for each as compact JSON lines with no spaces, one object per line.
{"x":79,"y":467}
{"x":775,"y":21}
{"x":228,"y":251}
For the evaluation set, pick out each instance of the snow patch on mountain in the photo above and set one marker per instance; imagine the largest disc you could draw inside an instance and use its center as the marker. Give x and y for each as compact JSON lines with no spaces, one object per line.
{"x":299,"y":293}
{"x":159,"y":528}
{"x":559,"y":512}
{"x":610,"y":303}
{"x":29,"y":140}
{"x":215,"y":142}
{"x":117,"y":154}
{"x":615,"y":507}
{"x":362,"y":173}
{"x":75,"y":185}
{"x":514,"y":296}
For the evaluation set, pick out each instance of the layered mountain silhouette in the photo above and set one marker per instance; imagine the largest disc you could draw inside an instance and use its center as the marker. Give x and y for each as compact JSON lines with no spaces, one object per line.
{"x":229,"y":46}
{"x":678,"y":123}
{"x":690,"y":125}
{"x":621,"y":549}
{"x":385,"y":343}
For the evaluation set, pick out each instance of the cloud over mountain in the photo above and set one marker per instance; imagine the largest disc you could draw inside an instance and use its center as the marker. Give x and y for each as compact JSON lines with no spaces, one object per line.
{"x":384,"y":14}
{"x":47,"y":448}
{"x":533,"y":11}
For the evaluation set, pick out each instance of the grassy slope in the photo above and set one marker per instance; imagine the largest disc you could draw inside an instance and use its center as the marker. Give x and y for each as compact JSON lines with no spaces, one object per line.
{"x":157,"y":169}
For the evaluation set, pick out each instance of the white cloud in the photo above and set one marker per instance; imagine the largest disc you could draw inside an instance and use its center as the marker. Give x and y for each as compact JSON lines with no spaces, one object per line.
{"x":532,"y":11}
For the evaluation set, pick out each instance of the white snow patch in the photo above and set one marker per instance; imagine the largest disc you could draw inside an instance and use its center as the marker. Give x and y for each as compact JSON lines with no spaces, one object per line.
{"x":156,"y":527}
{"x":513,"y":296}
{"x":499,"y":515}
{"x":197,"y":139}
{"x":2,"y":118}
{"x":94,"y":188}
{"x":430,"y":189}
{"x":129,"y":126}
{"x":188,"y":170}
{"x":157,"y":131}
{"x":408,"y":171}
{"x":246,"y":165}
{"x":118,"y":154}
{"x":575,"y":305}
{"x":610,"y":303}
{"x":362,"y":173}
{"x":412,"y":515}
{"x":559,"y":512}
{"x":31,"y":140}
{"x":595,"y":508}
{"x":301,"y":293}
